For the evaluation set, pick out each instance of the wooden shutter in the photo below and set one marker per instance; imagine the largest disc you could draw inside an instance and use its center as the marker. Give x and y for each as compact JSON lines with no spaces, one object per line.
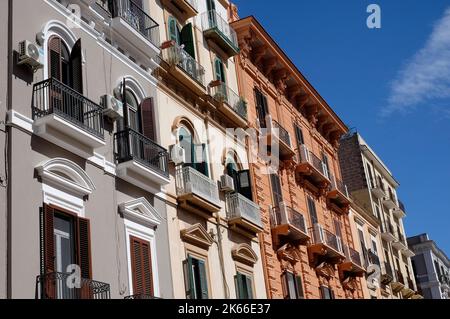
{"x":220,"y":72}
{"x":299,"y":136}
{"x":189,"y":278}
{"x":312,"y":211}
{"x":187,"y":38}
{"x":245,"y":188}
{"x":147,"y":118}
{"x":49,"y":285}
{"x":76,"y":67}
{"x":249,"y":286}
{"x":325,"y":162}
{"x":240,"y":289}
{"x":203,"y":279}
{"x":299,"y":287}
{"x":54,"y":50}
{"x":141,"y":267}
{"x":173,"y":30}
{"x":84,"y":247}
{"x":277,"y":193}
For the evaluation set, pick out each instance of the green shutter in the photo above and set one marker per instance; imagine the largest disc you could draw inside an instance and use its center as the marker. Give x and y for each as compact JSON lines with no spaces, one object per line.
{"x":187,"y":38}
{"x":189,"y":278}
{"x":249,"y":287}
{"x":203,"y":279}
{"x":240,"y":291}
{"x":173,"y":30}
{"x":299,"y":287}
{"x":220,"y":71}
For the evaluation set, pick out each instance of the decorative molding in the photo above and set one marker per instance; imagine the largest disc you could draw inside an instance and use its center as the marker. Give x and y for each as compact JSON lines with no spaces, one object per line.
{"x":197,"y":235}
{"x":325,"y":270}
{"x":245,"y":254}
{"x":66,"y":175}
{"x":20,"y":121}
{"x":141,"y":212}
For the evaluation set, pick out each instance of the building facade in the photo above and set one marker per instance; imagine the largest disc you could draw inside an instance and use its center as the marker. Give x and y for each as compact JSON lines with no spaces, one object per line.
{"x":431,"y":268}
{"x":373,"y":187}
{"x":307,"y":244}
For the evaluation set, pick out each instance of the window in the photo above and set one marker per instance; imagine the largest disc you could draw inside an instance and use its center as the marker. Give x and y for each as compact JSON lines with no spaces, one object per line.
{"x":326,"y":164}
{"x":242,"y":181}
{"x":293,"y":288}
{"x":65,"y":66}
{"x":195,"y":153}
{"x":244,"y":286}
{"x":362,"y":243}
{"x":369,"y":170}
{"x":277,"y":194}
{"x":262,"y":109}
{"x":196,"y":279}
{"x":312,"y":211}
{"x":220,"y":70}
{"x":326,"y":292}
{"x":141,"y":267}
{"x":338,"y":228}
{"x":299,"y":136}
{"x":210,"y":5}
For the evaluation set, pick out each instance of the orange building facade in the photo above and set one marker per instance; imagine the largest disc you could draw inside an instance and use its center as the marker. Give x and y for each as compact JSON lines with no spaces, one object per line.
{"x":306,"y":245}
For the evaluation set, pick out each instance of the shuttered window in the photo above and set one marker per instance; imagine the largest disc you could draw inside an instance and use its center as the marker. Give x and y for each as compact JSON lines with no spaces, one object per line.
{"x":174,"y":33}
{"x":244,"y":286}
{"x":187,"y":39}
{"x":141,"y":266}
{"x":299,"y":136}
{"x":277,"y":194}
{"x":326,"y":292}
{"x":147,"y":119}
{"x":196,"y":280}
{"x":220,"y":70}
{"x":312,"y":211}
{"x":81,"y":244}
{"x":293,"y":288}
{"x":262,"y":108}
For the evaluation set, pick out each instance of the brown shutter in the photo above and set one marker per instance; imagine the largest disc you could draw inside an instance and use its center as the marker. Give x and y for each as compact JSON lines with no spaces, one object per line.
{"x":141,"y":267}
{"x":147,"y":118}
{"x":84,"y":247}
{"x":76,"y":67}
{"x":49,"y":283}
{"x":54,"y":53}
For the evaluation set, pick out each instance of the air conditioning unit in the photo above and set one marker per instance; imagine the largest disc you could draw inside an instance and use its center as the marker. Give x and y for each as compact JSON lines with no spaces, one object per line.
{"x":284,"y":217}
{"x":304,"y":154}
{"x":226,"y":183}
{"x":113,"y":108}
{"x":319,"y":234}
{"x":177,"y":154}
{"x":29,"y":55}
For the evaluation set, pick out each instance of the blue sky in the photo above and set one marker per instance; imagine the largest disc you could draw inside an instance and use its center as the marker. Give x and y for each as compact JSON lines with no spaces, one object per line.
{"x":391,"y":84}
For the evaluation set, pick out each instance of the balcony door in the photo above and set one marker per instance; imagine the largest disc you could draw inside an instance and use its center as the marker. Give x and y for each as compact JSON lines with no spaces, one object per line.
{"x":195,"y":153}
{"x":241,"y":179}
{"x":262,"y":109}
{"x":211,"y":8}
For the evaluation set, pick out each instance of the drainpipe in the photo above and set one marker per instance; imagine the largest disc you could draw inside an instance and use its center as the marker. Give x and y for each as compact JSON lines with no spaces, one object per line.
{"x":8,"y":155}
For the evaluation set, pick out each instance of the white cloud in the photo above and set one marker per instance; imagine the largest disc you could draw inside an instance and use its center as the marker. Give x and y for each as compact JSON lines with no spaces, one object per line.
{"x":426,"y":77}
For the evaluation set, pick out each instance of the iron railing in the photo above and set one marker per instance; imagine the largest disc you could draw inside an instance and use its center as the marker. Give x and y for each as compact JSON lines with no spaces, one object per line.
{"x":307,"y":156}
{"x":223,"y":93}
{"x":337,"y":184}
{"x":352,"y":255}
{"x":141,"y":296}
{"x":53,"y":97}
{"x":57,"y":285}
{"x":138,"y":19}
{"x":281,"y":133}
{"x":212,"y":20}
{"x":176,"y":55}
{"x":238,"y":206}
{"x":323,"y":236}
{"x":131,"y":145}
{"x":283,"y":215}
{"x":191,"y":181}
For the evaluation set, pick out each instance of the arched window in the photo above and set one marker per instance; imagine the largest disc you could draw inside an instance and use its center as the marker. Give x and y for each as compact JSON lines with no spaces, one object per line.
{"x":195,"y":153}
{"x":132,"y":110}
{"x":65,"y":65}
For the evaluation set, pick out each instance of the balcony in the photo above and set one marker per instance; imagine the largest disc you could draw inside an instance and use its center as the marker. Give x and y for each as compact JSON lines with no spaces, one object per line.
{"x":325,"y":244}
{"x":390,"y":202}
{"x":337,"y":196}
{"x":140,"y":161}
{"x":196,"y":191}
{"x":377,"y":189}
{"x":66,"y":118}
{"x":399,"y":243}
{"x":352,"y":265}
{"x":387,"y":232}
{"x":184,"y":67}
{"x":408,"y":253}
{"x":398,"y":282}
{"x":137,"y":29}
{"x":278,"y":135}
{"x":55,"y":286}
{"x":399,"y":211}
{"x":217,"y":30}
{"x":229,"y":103}
{"x":289,"y":223}
{"x":243,"y":214}
{"x":312,"y":169}
{"x":186,"y":8}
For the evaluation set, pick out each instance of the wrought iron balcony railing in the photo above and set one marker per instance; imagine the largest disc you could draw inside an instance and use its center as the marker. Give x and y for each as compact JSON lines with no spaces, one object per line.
{"x":284,"y":214}
{"x":337,"y":184}
{"x":131,"y":145}
{"x":53,"y":97}
{"x":283,"y":134}
{"x":176,"y":55}
{"x":352,"y":255}
{"x":223,"y":93}
{"x":323,"y":236}
{"x":138,"y":19}
{"x":212,"y":20}
{"x":191,"y":181}
{"x":239,"y":206}
{"x":58,"y":285}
